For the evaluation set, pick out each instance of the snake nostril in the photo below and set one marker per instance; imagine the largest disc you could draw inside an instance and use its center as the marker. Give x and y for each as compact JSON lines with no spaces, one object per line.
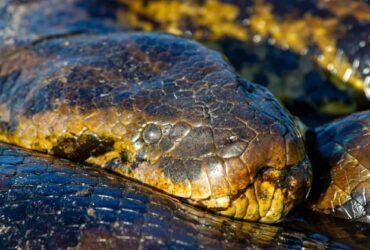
{"x":141,"y":156}
{"x":263,"y":172}
{"x":125,"y":156}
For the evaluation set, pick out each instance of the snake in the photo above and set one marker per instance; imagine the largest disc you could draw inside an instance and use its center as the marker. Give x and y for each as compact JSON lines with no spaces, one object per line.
{"x":168,"y":113}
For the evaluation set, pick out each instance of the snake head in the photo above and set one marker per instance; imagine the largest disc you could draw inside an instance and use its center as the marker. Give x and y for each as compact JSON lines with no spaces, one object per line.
{"x":164,"y":111}
{"x":236,"y":152}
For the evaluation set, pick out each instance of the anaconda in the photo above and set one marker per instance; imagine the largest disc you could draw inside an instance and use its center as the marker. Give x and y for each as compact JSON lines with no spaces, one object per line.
{"x":29,"y":61}
{"x":164,"y":111}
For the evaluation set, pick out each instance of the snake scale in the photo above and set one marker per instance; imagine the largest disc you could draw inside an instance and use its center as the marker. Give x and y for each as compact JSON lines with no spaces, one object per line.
{"x":166,"y":112}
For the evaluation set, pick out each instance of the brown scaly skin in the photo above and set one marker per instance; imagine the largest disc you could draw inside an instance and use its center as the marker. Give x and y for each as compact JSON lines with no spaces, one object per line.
{"x":341,"y":154}
{"x":333,"y":33}
{"x":23,"y":22}
{"x":162,"y":110}
{"x":47,"y":32}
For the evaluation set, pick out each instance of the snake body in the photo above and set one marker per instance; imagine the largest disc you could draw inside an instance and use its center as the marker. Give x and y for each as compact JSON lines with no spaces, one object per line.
{"x":341,"y":150}
{"x":53,"y":203}
{"x":161,"y":110}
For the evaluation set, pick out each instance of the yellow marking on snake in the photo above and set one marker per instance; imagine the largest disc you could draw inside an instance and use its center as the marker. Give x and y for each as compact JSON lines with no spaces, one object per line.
{"x":218,"y":17}
{"x":221,"y":21}
{"x":265,"y":202}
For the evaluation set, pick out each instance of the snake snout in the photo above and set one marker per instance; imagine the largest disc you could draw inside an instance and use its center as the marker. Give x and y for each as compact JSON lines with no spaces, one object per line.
{"x":259,"y":180}
{"x":270,"y":177}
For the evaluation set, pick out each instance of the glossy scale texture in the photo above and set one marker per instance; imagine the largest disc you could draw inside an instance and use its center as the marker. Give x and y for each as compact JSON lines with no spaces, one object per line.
{"x":54,"y":203}
{"x":23,"y":32}
{"x":341,"y":153}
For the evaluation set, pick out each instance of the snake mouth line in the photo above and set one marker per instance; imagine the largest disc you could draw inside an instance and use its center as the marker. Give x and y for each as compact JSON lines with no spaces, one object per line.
{"x":268,"y":198}
{"x":269,"y":189}
{"x":271,"y":195}
{"x":251,"y":203}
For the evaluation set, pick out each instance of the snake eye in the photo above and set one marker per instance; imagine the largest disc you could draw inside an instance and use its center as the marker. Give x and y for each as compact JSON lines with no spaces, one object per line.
{"x":152,"y":133}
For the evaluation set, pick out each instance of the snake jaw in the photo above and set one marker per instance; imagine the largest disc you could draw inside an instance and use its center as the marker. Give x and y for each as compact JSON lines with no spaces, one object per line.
{"x":237,"y":185}
{"x":242,"y":186}
{"x":272,"y":194}
{"x":260,"y":180}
